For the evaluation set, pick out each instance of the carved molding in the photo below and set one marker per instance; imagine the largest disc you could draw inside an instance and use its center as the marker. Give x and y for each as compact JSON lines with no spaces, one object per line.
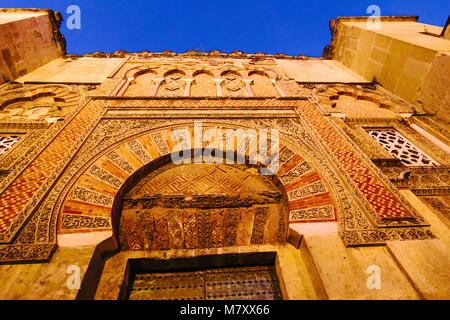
{"x":358,"y":223}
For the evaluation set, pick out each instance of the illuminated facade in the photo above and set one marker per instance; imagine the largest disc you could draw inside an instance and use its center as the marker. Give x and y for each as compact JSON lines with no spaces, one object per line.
{"x":360,"y":184}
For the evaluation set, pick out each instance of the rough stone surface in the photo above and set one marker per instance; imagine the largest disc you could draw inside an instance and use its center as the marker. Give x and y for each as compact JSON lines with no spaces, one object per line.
{"x":27,"y":41}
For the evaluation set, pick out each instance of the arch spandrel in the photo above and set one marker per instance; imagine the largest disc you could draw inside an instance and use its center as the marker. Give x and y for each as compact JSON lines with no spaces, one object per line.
{"x":299,"y":147}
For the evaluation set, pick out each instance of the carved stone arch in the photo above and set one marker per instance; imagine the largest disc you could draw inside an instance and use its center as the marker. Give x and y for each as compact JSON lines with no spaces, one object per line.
{"x":92,"y":193}
{"x":134,"y":72}
{"x":143,"y":72}
{"x":174,"y":70}
{"x":258,"y":72}
{"x":173,"y":84}
{"x":262,"y":207}
{"x":49,"y":100}
{"x":168,"y":68}
{"x":201,"y":71}
{"x":57,"y":90}
{"x":234,"y":71}
{"x":232,"y":84}
{"x":378,"y":105}
{"x":29,"y":98}
{"x":262,"y":85}
{"x":203,"y":84}
{"x":192,"y":69}
{"x":141,"y":82}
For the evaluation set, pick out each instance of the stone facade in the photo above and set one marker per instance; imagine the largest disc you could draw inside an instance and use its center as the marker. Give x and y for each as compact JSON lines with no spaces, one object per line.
{"x":87,"y":172}
{"x":29,"y":39}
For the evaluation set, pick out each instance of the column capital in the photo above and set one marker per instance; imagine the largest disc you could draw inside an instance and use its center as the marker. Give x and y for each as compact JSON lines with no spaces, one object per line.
{"x":248,"y":83}
{"x":158,"y":80}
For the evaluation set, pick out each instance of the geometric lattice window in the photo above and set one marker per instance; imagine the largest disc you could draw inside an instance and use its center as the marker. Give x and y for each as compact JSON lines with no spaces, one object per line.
{"x":7,"y":141}
{"x":401,"y":148}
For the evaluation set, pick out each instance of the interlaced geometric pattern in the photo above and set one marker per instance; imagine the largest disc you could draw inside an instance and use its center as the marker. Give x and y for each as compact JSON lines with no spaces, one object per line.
{"x":6,"y":142}
{"x":203,"y":179}
{"x":401,"y":148}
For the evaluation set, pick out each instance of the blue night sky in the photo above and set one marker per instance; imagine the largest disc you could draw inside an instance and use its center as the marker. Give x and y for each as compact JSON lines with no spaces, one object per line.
{"x":289,"y":26}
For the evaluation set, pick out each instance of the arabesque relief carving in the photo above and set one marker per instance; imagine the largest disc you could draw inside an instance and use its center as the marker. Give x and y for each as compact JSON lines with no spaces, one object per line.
{"x":173,"y":85}
{"x":357,"y":220}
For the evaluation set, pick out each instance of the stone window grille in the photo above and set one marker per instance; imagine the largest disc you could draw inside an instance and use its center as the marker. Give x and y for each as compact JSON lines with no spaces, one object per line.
{"x":401,"y":148}
{"x":7,"y":141}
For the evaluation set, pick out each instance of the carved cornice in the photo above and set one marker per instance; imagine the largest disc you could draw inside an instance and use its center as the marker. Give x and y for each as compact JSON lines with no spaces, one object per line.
{"x":357,"y":221}
{"x":193,"y":54}
{"x":202,"y":202}
{"x":423,"y":181}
